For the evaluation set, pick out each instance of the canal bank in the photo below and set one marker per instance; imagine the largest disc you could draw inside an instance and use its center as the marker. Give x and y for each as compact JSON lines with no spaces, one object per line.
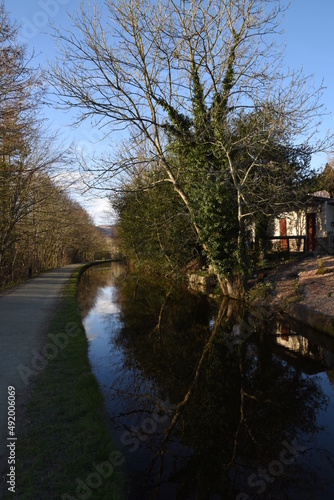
{"x":25,"y":313}
{"x":64,"y":449}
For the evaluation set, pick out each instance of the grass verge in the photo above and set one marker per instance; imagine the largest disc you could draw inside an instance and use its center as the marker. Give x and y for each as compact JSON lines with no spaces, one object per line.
{"x":7,"y":288}
{"x":66,"y":451}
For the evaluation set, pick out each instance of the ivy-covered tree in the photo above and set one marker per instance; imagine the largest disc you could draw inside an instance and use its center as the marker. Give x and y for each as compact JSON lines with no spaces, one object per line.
{"x":191,"y":70}
{"x":258,"y":178}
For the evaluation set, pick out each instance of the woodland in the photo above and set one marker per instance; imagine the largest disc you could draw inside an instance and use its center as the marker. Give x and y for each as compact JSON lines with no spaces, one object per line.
{"x":41,"y":227}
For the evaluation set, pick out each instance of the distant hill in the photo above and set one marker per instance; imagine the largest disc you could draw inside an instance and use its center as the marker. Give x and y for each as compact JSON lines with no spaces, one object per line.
{"x":109,"y":231}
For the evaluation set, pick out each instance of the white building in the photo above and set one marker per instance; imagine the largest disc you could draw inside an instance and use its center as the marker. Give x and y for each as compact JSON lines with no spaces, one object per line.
{"x":310,"y":229}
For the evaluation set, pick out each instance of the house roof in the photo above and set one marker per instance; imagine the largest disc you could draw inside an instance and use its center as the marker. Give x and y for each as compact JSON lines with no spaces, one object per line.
{"x":321,"y":194}
{"x":321,"y":197}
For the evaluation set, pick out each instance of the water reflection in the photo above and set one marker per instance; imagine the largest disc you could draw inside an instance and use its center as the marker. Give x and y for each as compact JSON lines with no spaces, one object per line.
{"x":315,"y":351}
{"x":204,"y":400}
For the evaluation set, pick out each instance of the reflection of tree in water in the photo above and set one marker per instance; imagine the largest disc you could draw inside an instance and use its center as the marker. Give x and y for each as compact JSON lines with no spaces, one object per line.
{"x":236,"y":406}
{"x":167,"y":355}
{"x":242,"y":410}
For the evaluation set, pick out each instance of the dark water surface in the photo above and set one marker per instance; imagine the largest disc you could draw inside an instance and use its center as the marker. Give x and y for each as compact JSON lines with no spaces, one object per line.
{"x":204,"y":400}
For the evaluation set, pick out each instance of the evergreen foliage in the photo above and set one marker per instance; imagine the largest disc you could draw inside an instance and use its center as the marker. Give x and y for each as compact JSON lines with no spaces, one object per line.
{"x":201,"y":84}
{"x":154,"y":227}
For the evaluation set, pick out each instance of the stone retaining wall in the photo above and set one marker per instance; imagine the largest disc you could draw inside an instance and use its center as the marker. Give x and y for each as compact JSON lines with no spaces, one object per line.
{"x":319,"y":321}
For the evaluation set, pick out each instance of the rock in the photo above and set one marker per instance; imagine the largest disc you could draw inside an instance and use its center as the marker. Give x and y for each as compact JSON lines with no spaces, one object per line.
{"x":202,"y":282}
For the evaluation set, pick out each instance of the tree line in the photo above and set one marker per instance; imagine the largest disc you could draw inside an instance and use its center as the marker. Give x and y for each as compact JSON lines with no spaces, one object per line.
{"x":219,"y":135}
{"x":40,"y":226}
{"x":213,"y":136}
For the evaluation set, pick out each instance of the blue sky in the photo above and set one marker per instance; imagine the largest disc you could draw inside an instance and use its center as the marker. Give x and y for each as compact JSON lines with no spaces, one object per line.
{"x":309,"y":38}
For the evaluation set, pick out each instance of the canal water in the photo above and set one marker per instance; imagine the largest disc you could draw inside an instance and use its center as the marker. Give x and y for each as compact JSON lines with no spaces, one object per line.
{"x":205,"y":400}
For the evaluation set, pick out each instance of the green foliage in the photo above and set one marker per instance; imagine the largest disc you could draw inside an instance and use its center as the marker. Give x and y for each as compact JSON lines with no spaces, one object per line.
{"x":299,"y":291}
{"x":206,"y":179}
{"x":214,"y":154}
{"x":225,"y":163}
{"x":154,"y":228}
{"x":208,"y":79}
{"x":260,"y":291}
{"x":196,"y":157}
{"x":320,"y":269}
{"x":326,"y":178}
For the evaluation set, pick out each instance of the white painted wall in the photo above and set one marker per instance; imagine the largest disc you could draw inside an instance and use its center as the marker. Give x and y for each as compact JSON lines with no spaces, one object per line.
{"x":296,"y":221}
{"x":329,"y":217}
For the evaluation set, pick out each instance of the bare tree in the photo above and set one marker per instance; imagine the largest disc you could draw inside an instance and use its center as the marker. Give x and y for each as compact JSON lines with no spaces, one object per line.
{"x":29,"y":153}
{"x":194,"y":68}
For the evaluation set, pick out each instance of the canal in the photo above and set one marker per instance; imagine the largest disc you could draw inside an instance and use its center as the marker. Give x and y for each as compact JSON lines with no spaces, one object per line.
{"x":205,"y":400}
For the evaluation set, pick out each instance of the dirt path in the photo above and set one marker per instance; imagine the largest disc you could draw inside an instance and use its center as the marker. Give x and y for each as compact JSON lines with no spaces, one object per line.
{"x":25,"y":314}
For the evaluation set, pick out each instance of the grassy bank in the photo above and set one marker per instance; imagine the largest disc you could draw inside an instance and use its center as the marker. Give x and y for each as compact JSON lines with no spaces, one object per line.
{"x":66,"y":451}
